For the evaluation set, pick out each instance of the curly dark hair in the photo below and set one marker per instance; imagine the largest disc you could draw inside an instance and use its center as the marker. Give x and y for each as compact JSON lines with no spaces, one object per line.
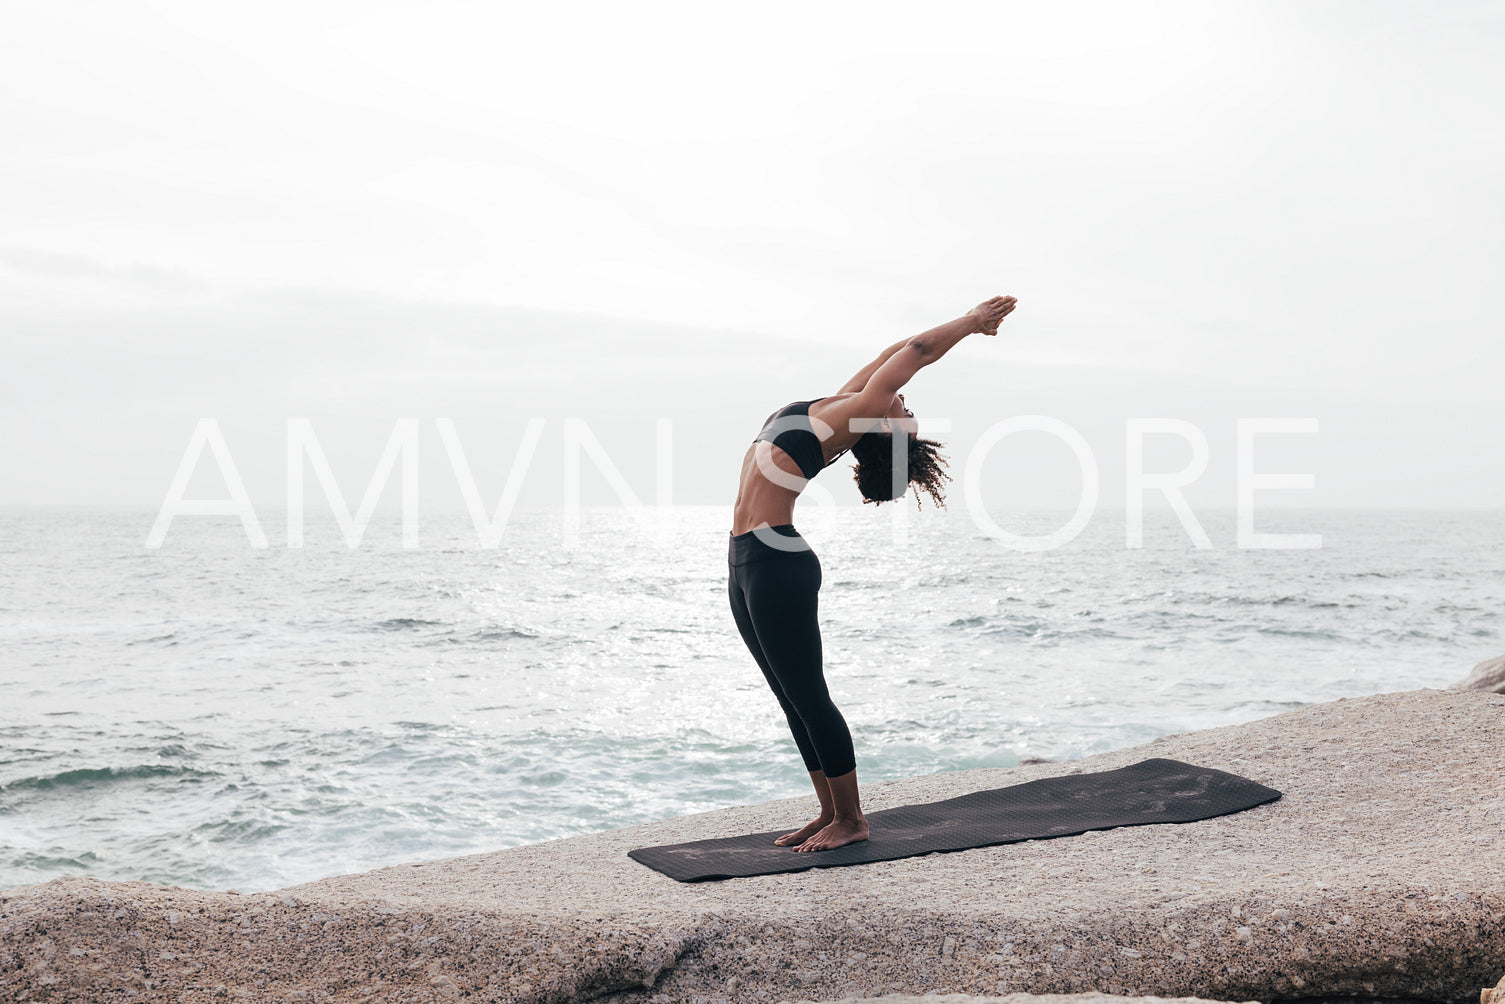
{"x":874,"y":472}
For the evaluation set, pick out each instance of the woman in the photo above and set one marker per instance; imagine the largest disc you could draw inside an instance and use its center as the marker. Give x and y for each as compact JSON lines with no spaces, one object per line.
{"x":774,"y":578}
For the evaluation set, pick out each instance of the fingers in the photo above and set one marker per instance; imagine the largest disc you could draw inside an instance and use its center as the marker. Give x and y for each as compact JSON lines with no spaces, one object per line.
{"x":1000,"y":307}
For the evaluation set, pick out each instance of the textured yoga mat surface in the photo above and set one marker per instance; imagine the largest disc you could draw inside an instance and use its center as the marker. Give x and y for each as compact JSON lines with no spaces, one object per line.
{"x":1151,"y":791}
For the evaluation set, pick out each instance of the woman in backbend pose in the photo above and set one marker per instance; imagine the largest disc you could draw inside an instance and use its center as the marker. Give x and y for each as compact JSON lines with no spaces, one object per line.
{"x":775,"y":577}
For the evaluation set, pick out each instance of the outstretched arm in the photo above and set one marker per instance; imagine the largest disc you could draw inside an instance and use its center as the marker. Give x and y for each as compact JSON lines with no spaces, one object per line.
{"x":906,"y":359}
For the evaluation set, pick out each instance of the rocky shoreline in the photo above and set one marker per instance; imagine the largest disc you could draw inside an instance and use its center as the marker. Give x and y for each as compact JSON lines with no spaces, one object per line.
{"x":1380,"y":873}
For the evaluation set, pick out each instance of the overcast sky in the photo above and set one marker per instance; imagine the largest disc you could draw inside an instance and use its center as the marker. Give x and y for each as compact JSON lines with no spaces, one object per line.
{"x":362,"y":212}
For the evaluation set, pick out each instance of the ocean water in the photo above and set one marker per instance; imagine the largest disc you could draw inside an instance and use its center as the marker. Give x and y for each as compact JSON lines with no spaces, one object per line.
{"x":215,"y":716}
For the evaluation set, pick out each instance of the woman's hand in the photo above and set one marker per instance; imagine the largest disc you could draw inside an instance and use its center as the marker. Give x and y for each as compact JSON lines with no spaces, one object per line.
{"x":990,"y":312}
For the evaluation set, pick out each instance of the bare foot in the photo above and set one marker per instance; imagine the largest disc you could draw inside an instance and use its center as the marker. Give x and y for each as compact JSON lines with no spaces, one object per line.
{"x":799,"y":835}
{"x":990,"y":312}
{"x":837,"y":833}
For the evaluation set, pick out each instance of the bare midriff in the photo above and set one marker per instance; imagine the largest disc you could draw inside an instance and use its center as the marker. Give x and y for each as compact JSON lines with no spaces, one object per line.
{"x":759,"y":500}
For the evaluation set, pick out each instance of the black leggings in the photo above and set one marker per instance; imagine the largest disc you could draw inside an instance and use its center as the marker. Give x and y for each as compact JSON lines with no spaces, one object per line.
{"x":774,"y":592}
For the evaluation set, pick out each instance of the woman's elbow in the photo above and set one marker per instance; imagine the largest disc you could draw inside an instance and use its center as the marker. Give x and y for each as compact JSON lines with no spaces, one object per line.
{"x":922,"y":349}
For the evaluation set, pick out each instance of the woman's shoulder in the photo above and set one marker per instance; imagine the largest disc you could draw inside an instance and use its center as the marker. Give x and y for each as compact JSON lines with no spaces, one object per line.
{"x":831,"y":403}
{"x":833,"y":412}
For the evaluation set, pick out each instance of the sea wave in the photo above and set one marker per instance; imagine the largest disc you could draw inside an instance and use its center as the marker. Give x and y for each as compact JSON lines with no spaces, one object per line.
{"x":82,"y":778}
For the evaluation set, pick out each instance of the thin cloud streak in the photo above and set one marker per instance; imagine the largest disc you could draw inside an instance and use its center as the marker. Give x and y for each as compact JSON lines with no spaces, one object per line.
{"x":56,"y":265}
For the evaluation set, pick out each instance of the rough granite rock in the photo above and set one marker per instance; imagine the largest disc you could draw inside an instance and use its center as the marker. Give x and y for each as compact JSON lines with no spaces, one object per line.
{"x":1488,"y":675}
{"x":1493,"y":995}
{"x":1381,"y":873}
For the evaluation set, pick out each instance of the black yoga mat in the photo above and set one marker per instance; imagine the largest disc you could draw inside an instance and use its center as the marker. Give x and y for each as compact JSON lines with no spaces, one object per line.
{"x":1151,"y":791}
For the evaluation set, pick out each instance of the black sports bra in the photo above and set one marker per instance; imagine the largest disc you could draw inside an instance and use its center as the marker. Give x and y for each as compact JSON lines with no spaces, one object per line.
{"x":796,"y":437}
